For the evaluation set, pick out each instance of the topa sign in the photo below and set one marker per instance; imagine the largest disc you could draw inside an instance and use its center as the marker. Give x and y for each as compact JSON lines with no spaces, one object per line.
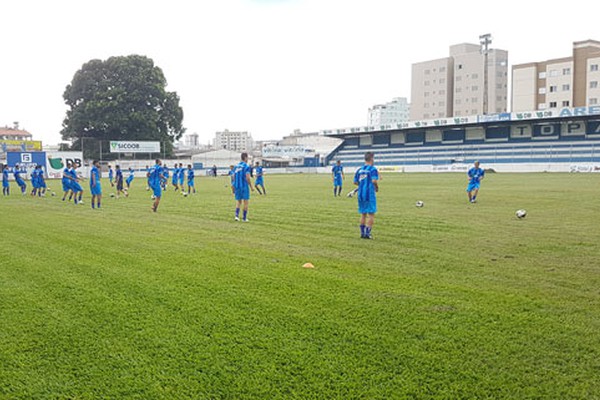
{"x":134,"y":147}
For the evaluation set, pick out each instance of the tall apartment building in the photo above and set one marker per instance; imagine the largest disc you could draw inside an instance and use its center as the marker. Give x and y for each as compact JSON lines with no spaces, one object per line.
{"x":391,"y":113}
{"x":455,"y":85}
{"x":563,"y":82}
{"x":235,"y":141}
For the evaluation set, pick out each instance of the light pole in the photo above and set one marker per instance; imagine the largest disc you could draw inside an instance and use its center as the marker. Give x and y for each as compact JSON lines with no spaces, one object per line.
{"x":485,"y":40}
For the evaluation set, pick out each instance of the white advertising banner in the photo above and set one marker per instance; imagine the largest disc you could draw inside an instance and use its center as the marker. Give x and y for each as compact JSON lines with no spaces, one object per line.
{"x":285,"y":151}
{"x":134,"y":147}
{"x":58,"y":160}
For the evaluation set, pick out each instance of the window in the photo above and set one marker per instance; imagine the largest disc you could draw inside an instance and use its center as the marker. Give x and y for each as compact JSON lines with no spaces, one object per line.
{"x":474,"y":99}
{"x":442,"y":69}
{"x":593,"y":101}
{"x":594,"y":67}
{"x":427,"y":72}
{"x":457,"y":101}
{"x":566,"y":71}
{"x":458,"y":78}
{"x":458,"y":90}
{"x":466,"y":100}
{"x":553,"y":72}
{"x":426,"y":94}
{"x":425,"y":116}
{"x":442,"y":80}
{"x":459,"y":66}
{"x":427,"y":83}
{"x":566,"y":88}
{"x":553,"y":89}
{"x":552,"y":104}
{"x":441,"y":104}
{"x":473,"y":112}
{"x":499,"y":86}
{"x":542,"y":75}
{"x":426,"y":105}
{"x":475,"y":88}
{"x":474,"y":76}
{"x":566,"y":103}
{"x":593,"y":84}
{"x":542,"y":90}
{"x":542,"y":106}
{"x":443,"y":92}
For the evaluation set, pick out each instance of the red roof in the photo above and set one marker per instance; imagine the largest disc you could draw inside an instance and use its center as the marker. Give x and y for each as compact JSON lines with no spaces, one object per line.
{"x":14,"y":132}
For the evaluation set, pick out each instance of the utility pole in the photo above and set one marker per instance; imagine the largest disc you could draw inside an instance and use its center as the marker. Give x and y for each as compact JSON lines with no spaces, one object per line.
{"x":485,"y":41}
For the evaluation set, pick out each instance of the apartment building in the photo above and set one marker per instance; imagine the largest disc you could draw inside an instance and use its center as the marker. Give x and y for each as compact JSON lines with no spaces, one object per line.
{"x":391,"y":113}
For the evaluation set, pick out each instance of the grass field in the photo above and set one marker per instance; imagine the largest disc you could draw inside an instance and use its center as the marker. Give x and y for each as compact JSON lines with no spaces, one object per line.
{"x":451,"y":301}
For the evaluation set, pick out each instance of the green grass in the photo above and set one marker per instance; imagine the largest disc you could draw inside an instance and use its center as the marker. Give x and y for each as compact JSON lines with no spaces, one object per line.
{"x":451,"y":301}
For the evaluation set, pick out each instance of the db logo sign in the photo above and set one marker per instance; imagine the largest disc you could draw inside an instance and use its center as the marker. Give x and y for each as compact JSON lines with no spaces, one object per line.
{"x":26,"y":157}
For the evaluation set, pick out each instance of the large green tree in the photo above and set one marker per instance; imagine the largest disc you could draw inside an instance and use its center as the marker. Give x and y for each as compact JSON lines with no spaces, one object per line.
{"x":122,"y":98}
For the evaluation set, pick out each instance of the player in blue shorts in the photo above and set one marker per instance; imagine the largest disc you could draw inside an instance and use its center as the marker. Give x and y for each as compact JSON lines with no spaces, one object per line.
{"x":190,"y":179}
{"x":111,"y":176}
{"x":175,"y":179}
{"x":95,"y":185}
{"x":5,"y":182}
{"x":66,"y":182}
{"x":34,"y":181}
{"x":75,"y":185}
{"x":242,"y":186}
{"x":130,"y":177}
{"x":154,"y":177}
{"x":41,"y":182}
{"x":475,"y":175}
{"x":164,"y":182}
{"x":366,"y":178}
{"x":338,"y":176}
{"x":20,"y":182}
{"x":119,"y":180}
{"x":231,"y":174}
{"x":181,"y":176}
{"x":258,"y":171}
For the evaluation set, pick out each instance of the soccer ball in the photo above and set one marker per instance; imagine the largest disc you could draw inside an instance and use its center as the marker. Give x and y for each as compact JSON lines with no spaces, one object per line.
{"x":152,"y":197}
{"x":521,"y":214}
{"x":184,"y":194}
{"x":53,"y":194}
{"x":419,"y":204}
{"x":112,"y":195}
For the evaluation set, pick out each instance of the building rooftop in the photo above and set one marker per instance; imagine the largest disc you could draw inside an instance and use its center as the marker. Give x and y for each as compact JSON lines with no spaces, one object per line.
{"x":6,"y":131}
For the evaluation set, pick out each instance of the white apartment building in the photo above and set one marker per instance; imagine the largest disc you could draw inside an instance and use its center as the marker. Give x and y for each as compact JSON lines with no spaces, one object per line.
{"x":456,"y":85}
{"x":235,"y":141}
{"x":391,"y":113}
{"x":564,"y":82}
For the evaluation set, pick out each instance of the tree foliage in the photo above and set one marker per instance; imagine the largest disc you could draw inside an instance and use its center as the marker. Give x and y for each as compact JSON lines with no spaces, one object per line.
{"x":122,"y":98}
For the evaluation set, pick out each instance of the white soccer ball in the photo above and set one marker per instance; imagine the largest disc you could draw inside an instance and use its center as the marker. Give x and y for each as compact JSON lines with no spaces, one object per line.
{"x":419,"y":204}
{"x":184,"y":194}
{"x":53,"y":194}
{"x":521,"y":213}
{"x":152,"y":197}
{"x":112,"y":195}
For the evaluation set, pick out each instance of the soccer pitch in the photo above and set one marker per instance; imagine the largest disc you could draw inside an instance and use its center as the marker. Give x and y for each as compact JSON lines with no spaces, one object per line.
{"x":452,"y":300}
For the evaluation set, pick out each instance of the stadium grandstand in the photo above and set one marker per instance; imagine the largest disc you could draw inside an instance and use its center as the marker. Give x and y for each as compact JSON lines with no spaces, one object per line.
{"x":548,"y":140}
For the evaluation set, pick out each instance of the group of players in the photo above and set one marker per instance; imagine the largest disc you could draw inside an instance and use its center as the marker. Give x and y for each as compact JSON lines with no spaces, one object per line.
{"x":38,"y":182}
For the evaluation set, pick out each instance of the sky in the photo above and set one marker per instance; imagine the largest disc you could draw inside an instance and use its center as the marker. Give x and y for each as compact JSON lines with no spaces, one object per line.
{"x":264,"y":66}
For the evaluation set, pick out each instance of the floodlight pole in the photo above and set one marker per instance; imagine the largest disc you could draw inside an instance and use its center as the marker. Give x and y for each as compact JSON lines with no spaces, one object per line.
{"x":485,"y":41}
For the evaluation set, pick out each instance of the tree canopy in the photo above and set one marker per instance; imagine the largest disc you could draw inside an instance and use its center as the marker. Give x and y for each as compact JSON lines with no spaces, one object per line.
{"x":122,"y":98}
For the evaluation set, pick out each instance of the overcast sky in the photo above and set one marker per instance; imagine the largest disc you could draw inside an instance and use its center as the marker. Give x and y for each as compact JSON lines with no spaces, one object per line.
{"x":264,"y":66}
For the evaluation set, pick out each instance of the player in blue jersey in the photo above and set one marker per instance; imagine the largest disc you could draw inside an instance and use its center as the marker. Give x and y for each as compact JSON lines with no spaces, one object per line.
{"x":475,"y":175}
{"x":75,"y":185}
{"x":258,"y":171}
{"x":119,"y":180}
{"x":337,"y":173}
{"x":41,"y":181}
{"x":165,"y":180}
{"x":111,"y":176}
{"x":175,"y":179}
{"x":130,"y":178}
{"x":66,"y":182}
{"x":242,"y":186}
{"x":5,"y":182}
{"x":181,"y":177}
{"x":366,"y":178}
{"x":20,"y":182}
{"x":154,"y":177}
{"x":190,"y":179}
{"x":95,"y":185}
{"x":34,"y":181}
{"x":231,"y":174}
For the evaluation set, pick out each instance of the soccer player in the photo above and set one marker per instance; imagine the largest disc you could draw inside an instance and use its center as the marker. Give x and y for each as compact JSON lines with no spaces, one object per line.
{"x":130,"y":177}
{"x":5,"y":183}
{"x":34,"y":181}
{"x":66,"y":182}
{"x":242,"y":184}
{"x":119,"y":180}
{"x":111,"y":176}
{"x":165,"y":179}
{"x":475,"y":175}
{"x":41,"y":182}
{"x":231,"y":175}
{"x":190,"y":179}
{"x":20,"y":182}
{"x":75,"y":185}
{"x":147,"y":177}
{"x":338,"y":176}
{"x":181,"y":176}
{"x":154,"y":177}
{"x":259,"y":179}
{"x":366,"y":178}
{"x":95,"y":185}
{"x":175,"y":177}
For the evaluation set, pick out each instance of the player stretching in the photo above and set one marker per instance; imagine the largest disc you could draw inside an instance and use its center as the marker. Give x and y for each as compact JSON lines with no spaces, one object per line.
{"x":119,"y":180}
{"x":20,"y":182}
{"x":190,"y":178}
{"x":130,"y":178}
{"x":5,"y":183}
{"x":338,"y":176}
{"x":154,"y":177}
{"x":366,"y":179}
{"x":242,"y":185}
{"x":258,"y":170}
{"x":95,"y":186}
{"x":475,"y":175}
